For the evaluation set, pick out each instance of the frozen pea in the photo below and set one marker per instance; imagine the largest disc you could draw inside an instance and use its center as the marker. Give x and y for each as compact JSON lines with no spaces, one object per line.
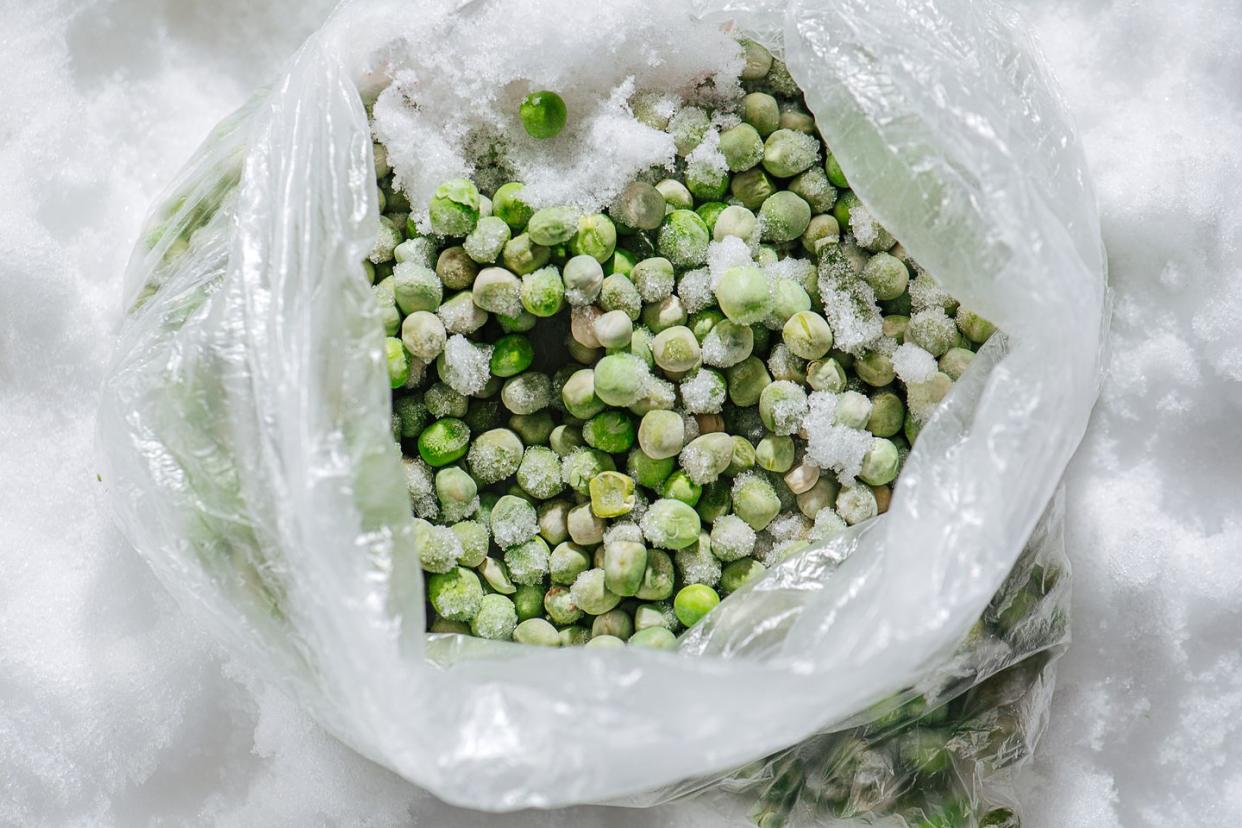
{"x":659,"y":316}
{"x":833,"y":170}
{"x":496,"y":618}
{"x":658,"y":578}
{"x":654,"y":638}
{"x":709,"y":211}
{"x":474,"y":539}
{"x":534,"y":429}
{"x":444,"y":441}
{"x":775,"y":453}
{"x":758,"y":60}
{"x":783,"y":217}
{"x":679,"y":486}
{"x":579,"y":396}
{"x":542,"y":292}
{"x":613,"y":329}
{"x":565,"y":439}
{"x":605,"y":642}
{"x":619,"y":293}
{"x":747,"y":379}
{"x":742,"y":147}
{"x":683,"y":238}
{"x":625,"y":563}
{"x":670,"y":524}
{"x":826,"y":375}
{"x":461,"y":315}
{"x":823,"y":495}
{"x":522,"y":255}
{"x":553,"y":519}
{"x":797,"y":120}
{"x":650,"y":471}
{"x":807,"y":334}
{"x":675,"y":195}
{"x":387,"y":238}
{"x":787,"y":153}
{"x":640,"y":206}
{"x":454,"y":208}
{"x":736,"y":220}
{"x":494,"y":455}
{"x":727,"y":344}
{"x":688,"y":126}
{"x":591,"y":595}
{"x":875,"y":368}
{"x":615,"y":623}
{"x":416,"y":288}
{"x":743,"y":294}
{"x":596,"y":236}
{"x":543,"y":114}
{"x":619,"y":379}
{"x":612,"y":494}
{"x":743,"y":457}
{"x":497,"y":290}
{"x":973,"y":326}
{"x":761,"y":111}
{"x":578,"y":468}
{"x":575,"y":636}
{"x":567,"y":562}
{"x":880,"y":463}
{"x":853,"y":409}
{"x":539,"y":473}
{"x":423,"y":335}
{"x":953,"y":363}
{"x":856,"y":503}
{"x":706,"y":181}
{"x":511,"y":355}
{"x":653,"y":278}
{"x":821,"y":231}
{"x":887,"y":414}
{"x":815,"y":189}
{"x":527,"y":561}
{"x":397,"y":361}
{"x":527,"y":393}
{"x":513,"y":521}
{"x":788,"y":298}
{"x":389,"y":315}
{"x":509,"y":205}
{"x":675,"y":349}
{"x":782,"y":406}
{"x":740,"y":573}
{"x":755,"y":501}
{"x":537,"y":632}
{"x":923,"y":397}
{"x":455,"y":595}
{"x":693,"y":602}
{"x":752,"y":187}
{"x":707,"y":456}
{"x":559,"y":604}
{"x":887,"y":276}
{"x":846,"y":202}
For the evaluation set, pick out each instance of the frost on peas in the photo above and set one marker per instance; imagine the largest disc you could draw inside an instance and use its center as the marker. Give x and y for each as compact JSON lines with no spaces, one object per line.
{"x":454,"y":208}
{"x":539,"y":473}
{"x":783,"y":217}
{"x":583,"y":278}
{"x":474,"y":539}
{"x":559,"y":604}
{"x":813,"y":186}
{"x":527,"y":393}
{"x":527,"y":561}
{"x":494,"y":455}
{"x":707,"y":457}
{"x":590,"y":594}
{"x":688,"y":126}
{"x":731,"y":538}
{"x":782,"y":407}
{"x":856,"y":503}
{"x":387,"y":237}
{"x":456,"y":594}
{"x":754,"y":500}
{"x":704,"y":392}
{"x":439,"y":549}
{"x":867,"y":231}
{"x":932,"y":331}
{"x":495,"y":619}
{"x":743,"y":295}
{"x":578,"y":468}
{"x":742,"y":147}
{"x":683,"y":239}
{"x":486,"y":241}
{"x":697,"y":563}
{"x":639,"y":206}
{"x":522,"y":255}
{"x":727,"y":344}
{"x":465,"y":365}
{"x":455,"y":268}
{"x":416,"y":288}
{"x":542,"y":292}
{"x":787,"y":153}
{"x":670,"y":524}
{"x":653,"y":278}
{"x":880,"y":464}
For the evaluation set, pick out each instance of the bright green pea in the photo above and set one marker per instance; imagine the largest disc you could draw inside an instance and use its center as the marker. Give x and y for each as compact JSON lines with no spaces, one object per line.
{"x":596,"y":237}
{"x":610,"y":431}
{"x":693,"y":602}
{"x":542,"y":292}
{"x":444,"y":441}
{"x":679,"y":486}
{"x":454,"y":208}
{"x":543,"y":114}
{"x":398,"y":362}
{"x":511,"y":355}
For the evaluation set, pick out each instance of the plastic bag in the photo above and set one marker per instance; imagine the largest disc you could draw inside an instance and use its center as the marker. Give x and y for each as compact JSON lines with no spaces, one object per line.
{"x":246,"y":441}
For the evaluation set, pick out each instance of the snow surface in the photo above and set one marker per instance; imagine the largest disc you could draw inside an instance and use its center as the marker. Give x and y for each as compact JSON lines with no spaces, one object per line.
{"x":116,"y":710}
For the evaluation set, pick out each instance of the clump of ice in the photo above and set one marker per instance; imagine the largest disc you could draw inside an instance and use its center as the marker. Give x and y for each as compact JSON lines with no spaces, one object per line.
{"x":420,"y":481}
{"x":466,"y":365}
{"x":849,"y":306}
{"x":724,"y":254}
{"x":798,"y":270}
{"x":830,"y":445}
{"x":732,"y":538}
{"x":519,"y":526}
{"x":695,"y":289}
{"x":926,"y":293}
{"x":698,"y":565}
{"x":912,"y":364}
{"x":444,"y":116}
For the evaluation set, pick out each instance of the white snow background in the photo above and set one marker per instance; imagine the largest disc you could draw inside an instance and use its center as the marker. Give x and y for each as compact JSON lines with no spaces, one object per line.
{"x":116,"y":710}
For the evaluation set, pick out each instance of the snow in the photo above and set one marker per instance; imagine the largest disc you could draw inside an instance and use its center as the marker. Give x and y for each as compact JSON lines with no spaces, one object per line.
{"x":116,"y":710}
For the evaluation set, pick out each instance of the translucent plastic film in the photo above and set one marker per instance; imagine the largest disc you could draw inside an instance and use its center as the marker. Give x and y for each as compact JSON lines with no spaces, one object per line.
{"x":245,"y":431}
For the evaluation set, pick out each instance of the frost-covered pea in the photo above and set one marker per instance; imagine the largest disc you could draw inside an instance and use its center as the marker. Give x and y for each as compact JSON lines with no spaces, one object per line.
{"x":743,"y":456}
{"x":703,"y":393}
{"x":887,"y":276}
{"x":416,"y":288}
{"x":761,"y":111}
{"x":527,"y":393}
{"x":742,"y":147}
{"x":887,"y":414}
{"x":973,"y":326}
{"x":787,"y":153}
{"x":675,"y":195}
{"x":397,"y":361}
{"x":923,"y":397}
{"x":579,"y":396}
{"x":856,"y":503}
{"x":823,"y":495}
{"x":659,"y":577}
{"x":731,"y":538}
{"x":620,"y":379}
{"x":743,"y":295}
{"x":653,"y":278}
{"x":456,"y":492}
{"x":683,"y":238}
{"x":443,"y":401}
{"x":740,"y":573}
{"x":619,"y":293}
{"x":583,"y":278}
{"x":869,"y":234}
{"x":826,"y":375}
{"x":413,"y":414}
{"x":875,"y":368}
{"x":853,"y":409}
{"x":596,"y":236}
{"x":747,"y":379}
{"x":752,"y":187}
{"x":612,"y":494}
{"x":670,"y":524}
{"x":513,"y":521}
{"x":522,"y":255}
{"x":497,"y":290}
{"x":444,"y":441}
{"x":542,"y":292}
{"x":880,"y":463}
{"x":625,"y":563}
{"x":539,"y":473}
{"x":815,"y":189}
{"x":578,"y":468}
{"x":590,"y":593}
{"x":494,"y":455}
{"x":783,"y":217}
{"x":622,"y":262}
{"x":389,"y":315}
{"x":454,"y":208}
{"x":953,"y":363}
{"x":707,"y":456}
{"x":528,"y":561}
{"x":559,"y":604}
{"x":537,"y":632}
{"x":567,"y":562}
{"x":487,"y":240}
{"x":661,"y":434}
{"x":667,"y":313}
{"x":894,"y":326}
{"x":675,"y":349}
{"x":775,"y":453}
{"x":782,"y":406}
{"x":543,"y":114}
{"x":821,"y":231}
{"x":693,"y":602}
{"x":387,"y":237}
{"x":496,"y":618}
{"x":474,"y":539}
{"x":736,"y":220}
{"x":640,"y":206}
{"x":510,"y":206}
{"x":709,"y":211}
{"x":807,"y":334}
{"x":455,"y":595}
{"x":727,"y":344}
{"x":932,"y":331}
{"x":439,"y":549}
{"x":423,"y":335}
{"x":757,"y":60}
{"x":755,"y":501}
{"x":613,"y":329}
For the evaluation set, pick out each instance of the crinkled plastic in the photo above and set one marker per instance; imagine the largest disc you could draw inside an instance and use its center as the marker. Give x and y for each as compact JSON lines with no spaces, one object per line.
{"x":246,"y":440}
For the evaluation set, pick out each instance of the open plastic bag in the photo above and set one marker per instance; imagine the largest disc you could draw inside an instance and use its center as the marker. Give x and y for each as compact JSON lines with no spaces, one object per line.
{"x":245,"y":432}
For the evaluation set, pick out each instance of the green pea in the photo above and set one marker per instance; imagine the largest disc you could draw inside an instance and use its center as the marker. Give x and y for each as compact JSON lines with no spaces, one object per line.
{"x":693,"y":602}
{"x":543,"y":114}
{"x":444,"y":441}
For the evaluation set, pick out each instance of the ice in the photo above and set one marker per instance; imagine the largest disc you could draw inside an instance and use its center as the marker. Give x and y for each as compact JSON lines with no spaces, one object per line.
{"x":789,"y":526}
{"x":624,"y":530}
{"x":466,"y":365}
{"x":829,"y":445}
{"x":702,"y":392}
{"x":849,"y":306}
{"x":695,"y":289}
{"x":442,"y":113}
{"x":912,"y":364}
{"x":732,"y":538}
{"x":119,"y":710}
{"x":698,"y":565}
{"x":724,"y":254}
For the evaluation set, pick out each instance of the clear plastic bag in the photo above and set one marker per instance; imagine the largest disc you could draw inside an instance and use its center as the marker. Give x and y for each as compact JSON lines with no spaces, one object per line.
{"x":246,"y":441}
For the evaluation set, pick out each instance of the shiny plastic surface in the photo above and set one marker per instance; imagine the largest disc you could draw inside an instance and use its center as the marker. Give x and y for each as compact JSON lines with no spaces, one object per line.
{"x":245,"y":434}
